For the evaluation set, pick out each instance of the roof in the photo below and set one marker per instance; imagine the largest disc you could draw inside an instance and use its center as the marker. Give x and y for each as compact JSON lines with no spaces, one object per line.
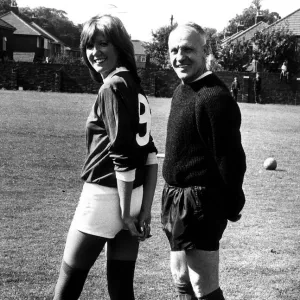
{"x":291,"y":22}
{"x":7,"y":26}
{"x":231,"y":37}
{"x":235,"y":36}
{"x":46,"y":33}
{"x":138,"y":47}
{"x":22,"y":27}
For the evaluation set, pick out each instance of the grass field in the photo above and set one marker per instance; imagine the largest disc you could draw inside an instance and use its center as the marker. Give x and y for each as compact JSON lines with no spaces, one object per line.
{"x":42,"y":148}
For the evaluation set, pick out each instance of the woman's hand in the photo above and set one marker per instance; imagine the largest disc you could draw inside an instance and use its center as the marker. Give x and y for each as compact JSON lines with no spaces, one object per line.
{"x":144,"y":219}
{"x":131,"y":223}
{"x":144,"y":222}
{"x":125,"y":192}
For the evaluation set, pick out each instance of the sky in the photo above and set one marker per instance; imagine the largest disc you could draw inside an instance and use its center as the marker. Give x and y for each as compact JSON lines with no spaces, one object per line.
{"x":141,"y":17}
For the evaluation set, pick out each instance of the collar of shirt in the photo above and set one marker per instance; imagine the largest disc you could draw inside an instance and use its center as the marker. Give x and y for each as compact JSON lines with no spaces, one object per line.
{"x":117,"y":70}
{"x":202,"y":76}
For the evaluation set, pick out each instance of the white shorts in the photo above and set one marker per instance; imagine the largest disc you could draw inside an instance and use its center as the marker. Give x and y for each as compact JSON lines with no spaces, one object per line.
{"x":98,"y":211}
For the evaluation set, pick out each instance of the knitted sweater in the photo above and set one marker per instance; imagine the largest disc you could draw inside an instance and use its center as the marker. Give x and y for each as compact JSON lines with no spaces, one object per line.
{"x":203,"y":145}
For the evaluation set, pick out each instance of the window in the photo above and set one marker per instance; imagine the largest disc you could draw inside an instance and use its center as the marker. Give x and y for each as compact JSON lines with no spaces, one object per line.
{"x":143,"y":58}
{"x":38,"y":42}
{"x":46,"y":44}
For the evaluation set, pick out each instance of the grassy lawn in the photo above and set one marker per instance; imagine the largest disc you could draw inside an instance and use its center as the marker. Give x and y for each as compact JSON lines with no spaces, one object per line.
{"x":42,"y":150}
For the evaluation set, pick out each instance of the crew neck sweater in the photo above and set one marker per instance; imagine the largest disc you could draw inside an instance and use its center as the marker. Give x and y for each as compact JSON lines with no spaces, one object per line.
{"x":203,"y":144}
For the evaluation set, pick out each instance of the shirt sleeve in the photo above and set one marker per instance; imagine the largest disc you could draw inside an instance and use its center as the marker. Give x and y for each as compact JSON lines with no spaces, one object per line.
{"x":152,"y":159}
{"x":119,"y":119}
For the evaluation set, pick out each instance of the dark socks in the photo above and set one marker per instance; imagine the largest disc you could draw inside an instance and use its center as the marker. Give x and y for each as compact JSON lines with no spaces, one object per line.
{"x":215,"y":295}
{"x":120,"y":276}
{"x":70,"y":283}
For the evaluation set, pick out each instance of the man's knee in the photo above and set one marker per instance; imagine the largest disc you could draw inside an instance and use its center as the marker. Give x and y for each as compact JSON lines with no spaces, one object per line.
{"x":180,"y":274}
{"x":180,"y":277}
{"x":179,"y":268}
{"x":183,"y":285}
{"x":203,"y":271}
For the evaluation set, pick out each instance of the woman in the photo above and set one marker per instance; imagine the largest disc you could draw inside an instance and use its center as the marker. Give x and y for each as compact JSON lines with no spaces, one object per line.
{"x":120,"y":170}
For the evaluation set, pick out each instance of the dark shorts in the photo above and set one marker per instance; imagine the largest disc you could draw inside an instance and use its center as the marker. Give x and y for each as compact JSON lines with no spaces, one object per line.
{"x":186,"y":222}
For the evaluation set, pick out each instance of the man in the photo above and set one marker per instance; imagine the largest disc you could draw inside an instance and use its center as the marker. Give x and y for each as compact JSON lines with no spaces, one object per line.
{"x":257,"y":89}
{"x":204,"y":167}
{"x":235,"y":87}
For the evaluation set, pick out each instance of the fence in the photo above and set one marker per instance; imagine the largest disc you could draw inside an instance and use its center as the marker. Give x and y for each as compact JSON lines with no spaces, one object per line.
{"x":158,"y":83}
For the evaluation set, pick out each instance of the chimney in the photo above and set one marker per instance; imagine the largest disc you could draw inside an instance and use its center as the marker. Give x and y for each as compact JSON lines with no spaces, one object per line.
{"x":259,"y":16}
{"x":240,"y":26}
{"x":14,"y":7}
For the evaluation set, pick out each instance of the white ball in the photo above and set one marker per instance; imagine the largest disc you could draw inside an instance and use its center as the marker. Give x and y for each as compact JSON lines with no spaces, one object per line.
{"x":270,"y":163}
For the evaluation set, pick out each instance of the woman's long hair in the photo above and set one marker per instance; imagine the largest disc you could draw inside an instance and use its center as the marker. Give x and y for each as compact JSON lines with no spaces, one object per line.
{"x":114,"y":31}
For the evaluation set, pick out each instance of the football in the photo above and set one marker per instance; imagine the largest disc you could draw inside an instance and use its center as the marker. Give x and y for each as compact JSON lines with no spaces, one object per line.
{"x":270,"y":163}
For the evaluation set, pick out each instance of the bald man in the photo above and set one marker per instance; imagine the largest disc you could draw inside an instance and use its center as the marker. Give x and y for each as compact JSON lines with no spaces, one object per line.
{"x":203,"y":169}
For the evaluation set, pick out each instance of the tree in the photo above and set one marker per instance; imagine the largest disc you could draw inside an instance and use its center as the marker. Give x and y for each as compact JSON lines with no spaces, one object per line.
{"x":257,"y":4}
{"x":269,"y":48}
{"x":212,"y":64}
{"x":212,"y":40}
{"x":158,"y":48}
{"x":248,"y":17}
{"x":233,"y":57}
{"x":272,"y":48}
{"x":54,"y":21}
{"x":4,"y":6}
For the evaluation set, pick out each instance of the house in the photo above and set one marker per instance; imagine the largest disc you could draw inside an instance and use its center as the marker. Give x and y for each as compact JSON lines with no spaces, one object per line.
{"x":55,"y":46}
{"x":245,"y":35}
{"x":229,"y":38}
{"x":290,"y":22}
{"x":30,"y":42}
{"x":6,"y":32}
{"x":139,"y":53}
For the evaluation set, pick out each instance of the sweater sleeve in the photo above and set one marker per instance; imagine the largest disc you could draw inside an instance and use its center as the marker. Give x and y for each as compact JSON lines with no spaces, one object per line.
{"x":219,"y":124}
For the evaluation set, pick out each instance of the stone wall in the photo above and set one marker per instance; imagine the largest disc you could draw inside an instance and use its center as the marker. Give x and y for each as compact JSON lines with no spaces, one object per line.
{"x":158,"y":83}
{"x":273,"y":90}
{"x":163,"y":83}
{"x":47,"y":77}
